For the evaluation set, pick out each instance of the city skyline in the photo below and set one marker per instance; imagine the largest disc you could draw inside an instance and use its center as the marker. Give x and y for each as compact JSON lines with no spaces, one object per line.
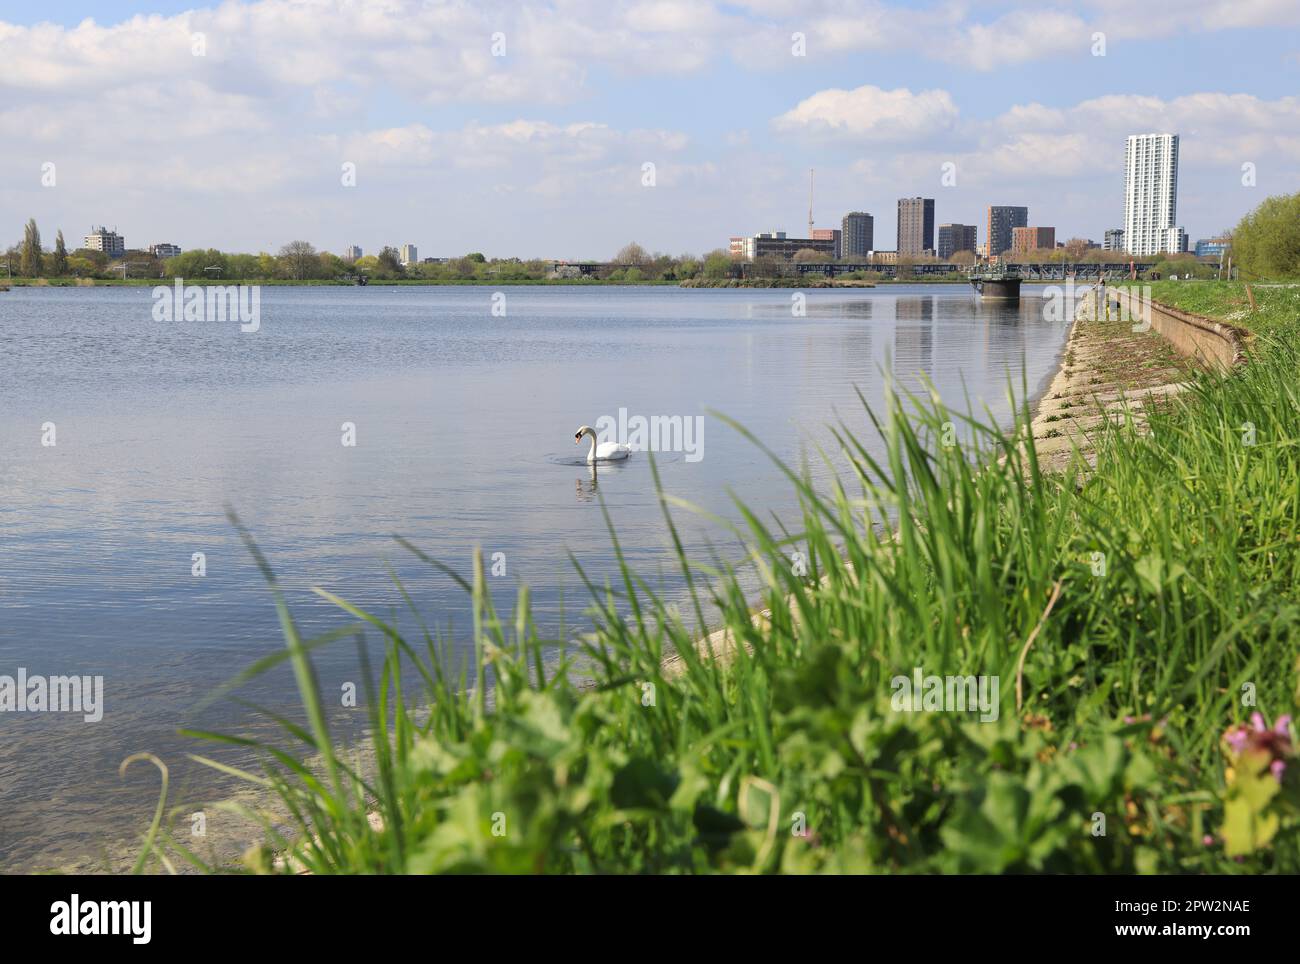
{"x":1150,"y":205}
{"x":533,"y":153}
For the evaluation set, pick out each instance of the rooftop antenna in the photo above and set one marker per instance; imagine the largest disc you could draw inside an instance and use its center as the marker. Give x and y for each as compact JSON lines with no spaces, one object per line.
{"x":810,"y":201}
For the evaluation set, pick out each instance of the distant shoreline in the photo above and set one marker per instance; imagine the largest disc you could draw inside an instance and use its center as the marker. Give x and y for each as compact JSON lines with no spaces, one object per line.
{"x":314,"y":282}
{"x":722,"y":283}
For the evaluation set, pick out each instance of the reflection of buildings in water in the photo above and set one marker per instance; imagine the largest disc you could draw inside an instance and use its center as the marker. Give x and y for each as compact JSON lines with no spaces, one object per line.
{"x":914,"y":308}
{"x":1005,"y":325}
{"x":859,"y":308}
{"x":914,"y":343}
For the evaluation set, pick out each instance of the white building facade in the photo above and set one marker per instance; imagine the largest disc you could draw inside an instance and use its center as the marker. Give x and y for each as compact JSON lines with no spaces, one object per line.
{"x":110,"y":242}
{"x":1150,"y":193}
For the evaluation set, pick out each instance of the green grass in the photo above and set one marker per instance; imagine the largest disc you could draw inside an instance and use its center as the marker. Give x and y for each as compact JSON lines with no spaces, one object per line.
{"x":1276,"y":306}
{"x":1126,"y":615}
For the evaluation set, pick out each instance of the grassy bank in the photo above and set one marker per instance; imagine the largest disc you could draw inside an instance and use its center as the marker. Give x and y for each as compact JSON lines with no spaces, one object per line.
{"x":1275,"y":306}
{"x":1135,"y":618}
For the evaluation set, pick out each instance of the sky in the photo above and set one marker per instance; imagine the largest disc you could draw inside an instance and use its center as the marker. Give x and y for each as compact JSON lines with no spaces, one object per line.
{"x":528,"y":129}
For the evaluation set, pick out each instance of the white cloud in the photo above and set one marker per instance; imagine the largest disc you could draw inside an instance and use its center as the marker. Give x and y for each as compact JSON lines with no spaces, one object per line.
{"x":869,"y":113}
{"x":1019,"y":37}
{"x":243,"y":147}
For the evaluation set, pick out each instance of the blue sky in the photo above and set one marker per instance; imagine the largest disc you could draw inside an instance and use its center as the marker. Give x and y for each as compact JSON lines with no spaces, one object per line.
{"x":540,"y":152}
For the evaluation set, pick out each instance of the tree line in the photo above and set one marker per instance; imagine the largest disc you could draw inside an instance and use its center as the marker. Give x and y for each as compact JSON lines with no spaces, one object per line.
{"x":1265,"y":244}
{"x":301,"y":261}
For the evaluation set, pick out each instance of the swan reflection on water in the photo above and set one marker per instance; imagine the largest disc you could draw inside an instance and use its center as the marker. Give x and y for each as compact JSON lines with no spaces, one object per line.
{"x":586,"y":488}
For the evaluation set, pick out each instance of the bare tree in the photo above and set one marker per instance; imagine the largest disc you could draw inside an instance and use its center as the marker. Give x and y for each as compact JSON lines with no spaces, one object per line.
{"x":1075,"y":248}
{"x":300,"y":259}
{"x":632,"y":254}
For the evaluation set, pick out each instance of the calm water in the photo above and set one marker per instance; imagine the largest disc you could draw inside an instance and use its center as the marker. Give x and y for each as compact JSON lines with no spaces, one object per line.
{"x":464,"y":431}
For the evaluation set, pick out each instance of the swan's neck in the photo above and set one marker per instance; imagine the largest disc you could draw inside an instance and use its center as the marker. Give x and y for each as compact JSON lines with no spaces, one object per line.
{"x":591,"y":452}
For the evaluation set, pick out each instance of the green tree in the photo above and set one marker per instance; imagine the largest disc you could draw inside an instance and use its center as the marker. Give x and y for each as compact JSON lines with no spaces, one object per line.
{"x":390,"y":261}
{"x":243,"y":266}
{"x":97,"y":258}
{"x":1266,"y":244}
{"x":198,"y":263}
{"x":717,"y":264}
{"x":81,"y":267}
{"x":60,"y":265}
{"x":30,"y":261}
{"x":332,"y":266}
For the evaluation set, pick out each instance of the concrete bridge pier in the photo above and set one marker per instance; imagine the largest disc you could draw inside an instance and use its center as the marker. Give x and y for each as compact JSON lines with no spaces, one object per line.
{"x":1000,"y":289}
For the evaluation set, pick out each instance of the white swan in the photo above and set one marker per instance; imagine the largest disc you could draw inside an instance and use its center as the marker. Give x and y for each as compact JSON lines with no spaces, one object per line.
{"x":604,"y":452}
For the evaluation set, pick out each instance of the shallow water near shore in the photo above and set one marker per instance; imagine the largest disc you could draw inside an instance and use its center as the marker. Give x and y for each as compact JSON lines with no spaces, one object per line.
{"x":463,"y":424}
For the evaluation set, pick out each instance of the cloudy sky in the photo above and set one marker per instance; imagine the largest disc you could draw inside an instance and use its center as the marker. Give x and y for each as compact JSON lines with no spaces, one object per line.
{"x":230,"y":125}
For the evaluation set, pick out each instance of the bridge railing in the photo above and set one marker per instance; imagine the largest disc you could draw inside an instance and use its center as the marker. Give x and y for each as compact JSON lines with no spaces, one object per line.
{"x":1040,"y":271}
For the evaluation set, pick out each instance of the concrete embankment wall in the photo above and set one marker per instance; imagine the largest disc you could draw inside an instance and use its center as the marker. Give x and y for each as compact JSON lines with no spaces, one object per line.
{"x":1212,"y":343}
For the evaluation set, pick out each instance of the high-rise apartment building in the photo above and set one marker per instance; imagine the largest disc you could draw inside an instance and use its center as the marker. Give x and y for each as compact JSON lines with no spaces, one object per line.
{"x":110,"y":242}
{"x":1114,"y":240}
{"x":1002,"y":220}
{"x":1150,"y":193}
{"x":1028,"y":239}
{"x":954,"y":238}
{"x":353,"y":253}
{"x":915,"y":225}
{"x":857,"y":234}
{"x":409,"y":255}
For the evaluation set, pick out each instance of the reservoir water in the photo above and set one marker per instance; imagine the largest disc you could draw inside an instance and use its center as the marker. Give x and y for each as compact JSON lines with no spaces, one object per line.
{"x":463,"y":422}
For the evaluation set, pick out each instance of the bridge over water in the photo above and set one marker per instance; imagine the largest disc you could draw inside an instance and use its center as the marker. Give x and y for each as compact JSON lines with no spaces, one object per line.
{"x":1045,"y":271}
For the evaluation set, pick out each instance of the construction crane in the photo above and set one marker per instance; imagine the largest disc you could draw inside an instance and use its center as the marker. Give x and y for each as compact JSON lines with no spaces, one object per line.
{"x":810,"y":201}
